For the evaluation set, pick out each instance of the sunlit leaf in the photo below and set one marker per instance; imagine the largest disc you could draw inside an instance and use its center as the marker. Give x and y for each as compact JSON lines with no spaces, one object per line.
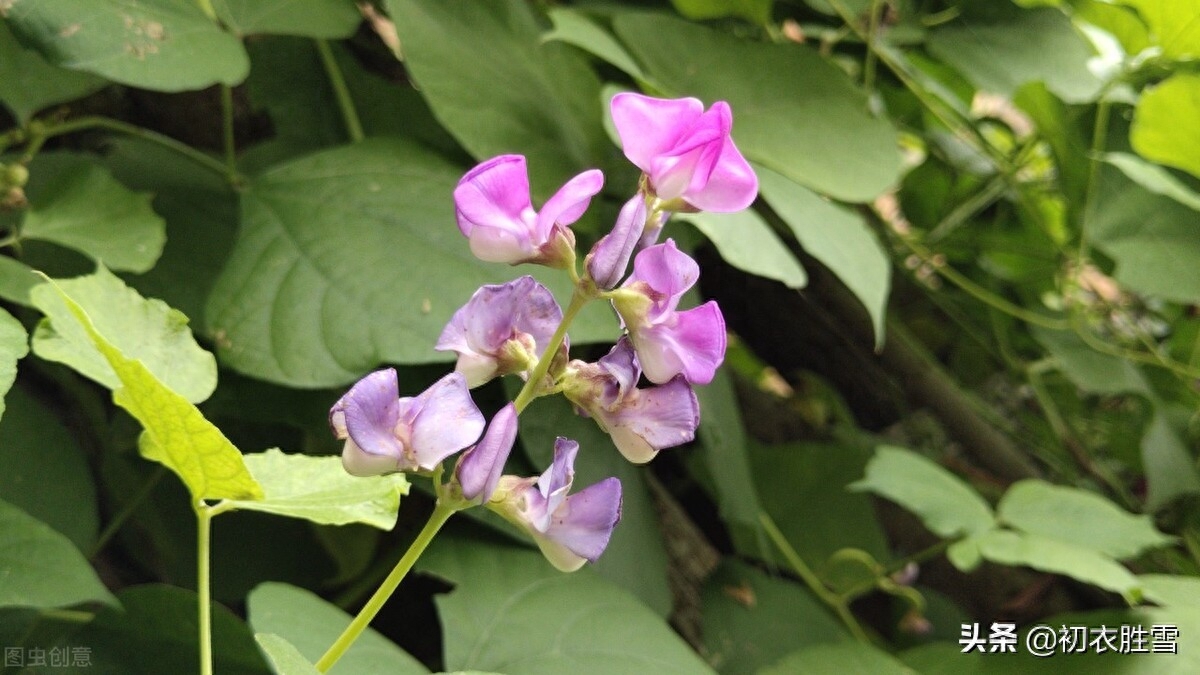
{"x":42,"y":568}
{"x":1173,"y":25}
{"x":165,"y":45}
{"x":149,"y":331}
{"x":284,"y":657}
{"x":946,"y":504}
{"x":1048,"y":555}
{"x":16,"y":280}
{"x":320,"y":490}
{"x":1165,"y":128}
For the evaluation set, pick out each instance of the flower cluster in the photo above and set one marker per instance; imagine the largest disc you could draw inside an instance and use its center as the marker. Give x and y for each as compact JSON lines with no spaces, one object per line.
{"x":689,"y":163}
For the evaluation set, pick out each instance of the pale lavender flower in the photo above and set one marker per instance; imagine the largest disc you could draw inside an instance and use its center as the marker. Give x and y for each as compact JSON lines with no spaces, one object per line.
{"x":501,"y":330}
{"x":494,"y":212}
{"x":686,"y":152}
{"x":479,"y":468}
{"x":670,"y":342}
{"x":570,"y":529}
{"x":386,"y":433}
{"x":640,"y":421}
{"x":607,"y":260}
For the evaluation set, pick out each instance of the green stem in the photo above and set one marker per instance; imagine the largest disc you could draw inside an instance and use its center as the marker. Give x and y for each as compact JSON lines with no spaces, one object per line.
{"x":97,"y":122}
{"x":227,"y":130}
{"x":530,"y":390}
{"x":203,"y":589}
{"x":872,"y":35}
{"x":811,"y":580}
{"x":354,"y":127}
{"x":441,"y":513}
{"x":207,"y":8}
{"x":1099,"y":136}
{"x":127,"y":510}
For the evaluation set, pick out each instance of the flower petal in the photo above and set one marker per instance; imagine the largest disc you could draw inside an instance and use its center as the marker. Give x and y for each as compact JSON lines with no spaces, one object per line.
{"x":583,"y":525}
{"x":693,"y":344}
{"x":555,"y":482}
{"x":650,"y":126}
{"x":444,"y":421}
{"x":358,"y":462}
{"x":608,"y":259}
{"x":732,"y":185}
{"x":480,"y":467}
{"x":569,"y":203}
{"x":368,"y":414}
{"x":493,"y":194}
{"x":667,"y":270}
{"x":655,"y":418}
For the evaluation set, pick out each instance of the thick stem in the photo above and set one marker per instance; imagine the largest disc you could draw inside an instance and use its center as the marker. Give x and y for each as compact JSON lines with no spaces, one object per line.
{"x":530,"y":390}
{"x":203,"y":590}
{"x":354,"y":127}
{"x":441,"y":513}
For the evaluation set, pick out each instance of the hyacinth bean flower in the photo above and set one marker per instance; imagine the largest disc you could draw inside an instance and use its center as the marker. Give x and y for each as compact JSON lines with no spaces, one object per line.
{"x":479,"y":468}
{"x":386,"y":433}
{"x":569,"y":529}
{"x":685,"y":151}
{"x":669,"y":342}
{"x":501,"y":330}
{"x":607,"y":260}
{"x":494,"y":212}
{"x":640,"y":421}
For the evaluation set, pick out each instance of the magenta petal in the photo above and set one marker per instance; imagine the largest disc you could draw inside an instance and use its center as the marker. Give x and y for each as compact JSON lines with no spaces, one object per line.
{"x":585,"y":522}
{"x":608,"y":259}
{"x":732,"y":186}
{"x":651,"y":126}
{"x":368,"y":414}
{"x":667,"y":270}
{"x":569,"y":203}
{"x":444,"y":421}
{"x":480,"y":467}
{"x":693,"y":344}
{"x":495,"y":193}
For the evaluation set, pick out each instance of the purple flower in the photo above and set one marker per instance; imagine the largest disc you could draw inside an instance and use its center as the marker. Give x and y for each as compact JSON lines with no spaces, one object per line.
{"x":569,"y":529}
{"x":386,"y":433}
{"x":502,"y":329}
{"x":479,"y":469}
{"x":494,"y":212}
{"x":670,"y":342}
{"x":640,"y":421}
{"x":685,"y":151}
{"x":607,"y":260}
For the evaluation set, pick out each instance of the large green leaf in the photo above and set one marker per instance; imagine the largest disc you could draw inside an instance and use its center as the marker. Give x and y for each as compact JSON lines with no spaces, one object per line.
{"x":844,"y":657}
{"x":1050,"y":555}
{"x":146,"y":330}
{"x":1035,"y":45}
{"x":176,"y":433}
{"x":349,"y":258}
{"x":311,"y":625}
{"x":947,"y":505}
{"x":1154,"y":178}
{"x":83,"y":207}
{"x":1077,"y":517}
{"x":28,"y":83}
{"x":14,"y":345}
{"x":512,"y":612}
{"x":722,"y":434}
{"x":1173,"y":25}
{"x":1165,"y":127}
{"x":16,"y":280}
{"x":167,"y":45}
{"x":793,"y":111}
{"x":541,"y":100}
{"x":42,"y":568}
{"x":752,"y":619}
{"x":576,"y":28}
{"x":838,"y":238}
{"x":45,"y":471}
{"x":284,"y":657}
{"x":313,"y":18}
{"x":747,"y":242}
{"x":320,"y":490}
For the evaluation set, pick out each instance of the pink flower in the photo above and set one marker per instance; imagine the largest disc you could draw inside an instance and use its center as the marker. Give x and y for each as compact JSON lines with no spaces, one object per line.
{"x":494,"y":212}
{"x":670,"y":342}
{"x":685,"y":151}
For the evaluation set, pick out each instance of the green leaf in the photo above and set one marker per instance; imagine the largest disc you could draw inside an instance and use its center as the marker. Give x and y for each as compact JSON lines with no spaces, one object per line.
{"x":1169,"y":590}
{"x":46,"y":473}
{"x":1001,"y":54}
{"x":838,"y":238}
{"x":576,"y":28}
{"x":726,"y":455}
{"x":166,"y":45}
{"x":756,"y":11}
{"x":14,"y":345}
{"x":42,"y":568}
{"x":1078,"y":517}
{"x":29,"y":84}
{"x":1165,"y":128}
{"x":314,"y":18}
{"x":285,"y":659}
{"x":311,"y":625}
{"x":85,"y":208}
{"x":947,"y":505}
{"x":752,"y":619}
{"x":1120,"y":22}
{"x":149,"y":331}
{"x":177,"y":434}
{"x":1173,"y":25}
{"x":1047,"y":555}
{"x":1154,"y":178}
{"x":320,"y":490}
{"x":16,"y":280}
{"x":636,"y":558}
{"x":349,"y":258}
{"x":512,"y":612}
{"x":539,"y":98}
{"x":844,"y":657}
{"x":793,"y":111}
{"x":748,"y":243}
